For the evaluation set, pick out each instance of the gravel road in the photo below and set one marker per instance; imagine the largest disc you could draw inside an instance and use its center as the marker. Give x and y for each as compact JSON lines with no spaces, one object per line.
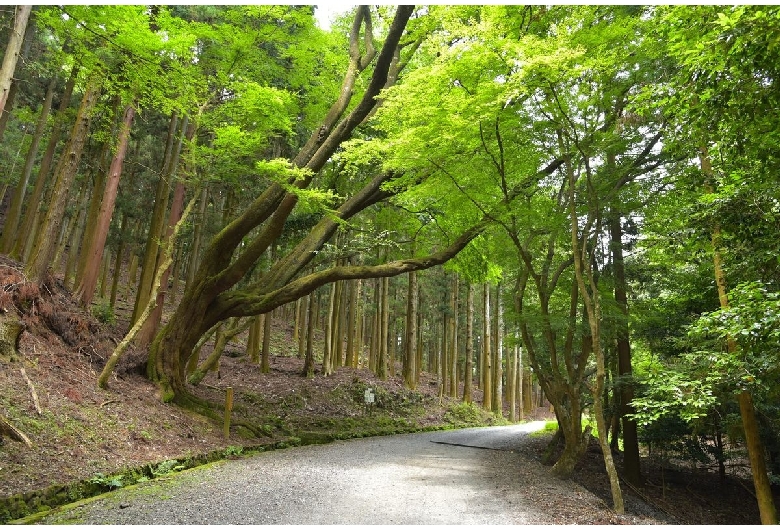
{"x":470,"y":476}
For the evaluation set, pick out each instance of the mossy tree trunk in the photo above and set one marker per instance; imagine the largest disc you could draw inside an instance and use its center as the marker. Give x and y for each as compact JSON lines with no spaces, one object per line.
{"x":213,"y":296}
{"x":64,"y":175}
{"x":157,"y":223}
{"x":22,"y":245}
{"x":12,"y":218}
{"x":21,"y":16}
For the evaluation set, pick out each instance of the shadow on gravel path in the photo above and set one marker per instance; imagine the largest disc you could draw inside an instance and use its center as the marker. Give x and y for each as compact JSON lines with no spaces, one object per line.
{"x":445,"y":477}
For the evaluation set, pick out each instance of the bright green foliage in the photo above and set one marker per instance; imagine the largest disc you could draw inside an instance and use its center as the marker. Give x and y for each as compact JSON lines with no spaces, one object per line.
{"x":495,"y":104}
{"x":721,"y":94}
{"x":752,"y":321}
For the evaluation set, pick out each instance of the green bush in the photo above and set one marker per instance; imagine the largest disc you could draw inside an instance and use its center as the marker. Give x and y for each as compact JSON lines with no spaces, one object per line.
{"x":104,"y":312}
{"x":464,"y":414}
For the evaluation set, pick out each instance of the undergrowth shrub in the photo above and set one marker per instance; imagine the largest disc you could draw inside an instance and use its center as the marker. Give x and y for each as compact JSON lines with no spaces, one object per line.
{"x":104,"y":312}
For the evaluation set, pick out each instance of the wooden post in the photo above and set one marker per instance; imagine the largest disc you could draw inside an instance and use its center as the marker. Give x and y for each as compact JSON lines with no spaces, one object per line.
{"x":228,"y":410}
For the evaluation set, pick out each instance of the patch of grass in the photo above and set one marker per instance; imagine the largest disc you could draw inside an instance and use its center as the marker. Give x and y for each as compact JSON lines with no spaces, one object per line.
{"x":549,"y":428}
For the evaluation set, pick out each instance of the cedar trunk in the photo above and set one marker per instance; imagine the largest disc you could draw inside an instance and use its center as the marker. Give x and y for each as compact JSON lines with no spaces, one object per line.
{"x":24,"y":238}
{"x":12,"y":52}
{"x":11,"y":225}
{"x":410,"y":350}
{"x":468,"y":377}
{"x":65,"y":173}
{"x":86,"y":289}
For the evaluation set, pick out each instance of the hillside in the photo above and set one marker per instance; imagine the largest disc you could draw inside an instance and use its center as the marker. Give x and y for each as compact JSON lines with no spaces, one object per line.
{"x":86,"y":440}
{"x":79,"y":432}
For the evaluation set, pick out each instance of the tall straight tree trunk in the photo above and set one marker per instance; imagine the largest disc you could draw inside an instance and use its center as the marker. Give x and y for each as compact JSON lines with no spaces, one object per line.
{"x":352,"y":323}
{"x":64,"y":175}
{"x":12,"y":52}
{"x":498,"y":357}
{"x":487,"y":361}
{"x":12,"y":218}
{"x":297,"y":321}
{"x":453,"y":341}
{"x":631,"y":463}
{"x":444,"y":357}
{"x":373,"y":346}
{"x":327,"y":354}
{"x":338,"y":341}
{"x":382,"y":361}
{"x":468,"y":376}
{"x":152,"y":324}
{"x":360,"y":327}
{"x":118,"y":261}
{"x":300,"y":325}
{"x":513,"y":380}
{"x":22,"y":245}
{"x":755,"y":448}
{"x":99,"y":172}
{"x":335,"y":332}
{"x":157,"y":226}
{"x":392,"y":337}
{"x":86,"y":289}
{"x":197,"y":237}
{"x":70,"y":235}
{"x":410,"y":346}
{"x":420,"y":342}
{"x":149,"y":328}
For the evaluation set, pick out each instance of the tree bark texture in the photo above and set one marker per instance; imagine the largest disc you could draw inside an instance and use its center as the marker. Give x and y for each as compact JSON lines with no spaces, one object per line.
{"x":631,"y":464}
{"x":86,"y":289}
{"x":11,"y":56}
{"x":156,"y":227}
{"x":24,"y":239}
{"x":65,"y":174}
{"x":410,"y":350}
{"x":11,"y":224}
{"x":468,"y":379}
{"x":487,"y":356}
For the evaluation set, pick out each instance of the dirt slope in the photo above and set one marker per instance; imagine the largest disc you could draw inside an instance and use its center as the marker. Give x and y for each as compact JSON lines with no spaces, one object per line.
{"x":81,"y":433}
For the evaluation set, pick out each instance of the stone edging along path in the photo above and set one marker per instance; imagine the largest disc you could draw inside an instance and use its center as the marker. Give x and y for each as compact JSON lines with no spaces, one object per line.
{"x":26,"y":508}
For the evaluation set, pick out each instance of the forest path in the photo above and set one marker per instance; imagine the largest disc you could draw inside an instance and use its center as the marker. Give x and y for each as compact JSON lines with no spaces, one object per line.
{"x":469,"y":476}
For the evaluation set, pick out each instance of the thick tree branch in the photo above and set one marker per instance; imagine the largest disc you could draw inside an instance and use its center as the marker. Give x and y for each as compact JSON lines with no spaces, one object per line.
{"x":242,"y":303}
{"x":274,"y":201}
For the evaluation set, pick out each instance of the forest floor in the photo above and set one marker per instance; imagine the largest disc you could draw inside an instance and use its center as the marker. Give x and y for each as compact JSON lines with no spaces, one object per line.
{"x":79,"y":432}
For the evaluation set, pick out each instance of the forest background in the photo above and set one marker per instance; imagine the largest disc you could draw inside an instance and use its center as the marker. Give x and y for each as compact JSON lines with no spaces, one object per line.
{"x":598,"y":182}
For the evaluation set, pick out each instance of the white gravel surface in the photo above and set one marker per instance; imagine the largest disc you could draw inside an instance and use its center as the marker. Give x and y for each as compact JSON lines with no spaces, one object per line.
{"x":470,"y":476}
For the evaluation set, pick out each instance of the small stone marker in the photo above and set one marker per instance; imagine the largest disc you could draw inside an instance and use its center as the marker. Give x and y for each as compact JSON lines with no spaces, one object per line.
{"x":368,"y":398}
